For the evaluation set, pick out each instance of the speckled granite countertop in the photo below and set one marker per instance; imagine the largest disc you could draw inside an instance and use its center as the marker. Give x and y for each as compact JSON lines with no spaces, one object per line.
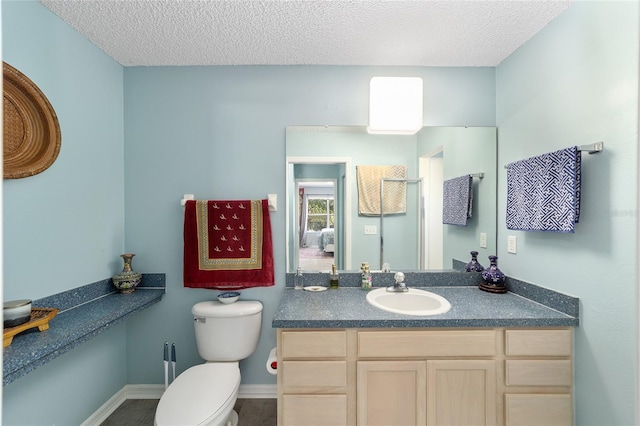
{"x":470,"y":307}
{"x":84,"y":313}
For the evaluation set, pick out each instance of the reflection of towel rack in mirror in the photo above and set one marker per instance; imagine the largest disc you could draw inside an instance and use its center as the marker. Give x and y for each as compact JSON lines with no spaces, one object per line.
{"x":594,"y":148}
{"x":421,"y":216}
{"x":271,"y":198}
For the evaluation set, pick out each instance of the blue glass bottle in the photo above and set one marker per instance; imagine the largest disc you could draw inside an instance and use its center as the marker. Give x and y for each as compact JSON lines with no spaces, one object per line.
{"x":473,"y":265}
{"x":494,"y":279}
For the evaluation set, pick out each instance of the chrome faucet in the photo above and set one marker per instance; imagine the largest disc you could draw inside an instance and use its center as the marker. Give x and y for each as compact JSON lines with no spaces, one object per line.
{"x":399,"y":286}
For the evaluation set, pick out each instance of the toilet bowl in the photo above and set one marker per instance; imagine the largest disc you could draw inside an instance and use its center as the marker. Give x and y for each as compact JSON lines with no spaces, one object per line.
{"x":205,"y":394}
{"x":202,"y":395}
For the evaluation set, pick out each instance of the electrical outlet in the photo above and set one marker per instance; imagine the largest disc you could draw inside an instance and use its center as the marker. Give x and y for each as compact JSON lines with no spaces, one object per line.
{"x":483,"y":240}
{"x":370,"y":230}
{"x":512,"y":246}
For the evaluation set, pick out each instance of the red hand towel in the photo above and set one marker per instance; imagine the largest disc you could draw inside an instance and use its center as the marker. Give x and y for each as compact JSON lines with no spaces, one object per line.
{"x":227,"y":244}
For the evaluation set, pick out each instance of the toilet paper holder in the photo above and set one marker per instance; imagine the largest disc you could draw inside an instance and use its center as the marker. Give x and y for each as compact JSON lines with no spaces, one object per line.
{"x":272,"y":362}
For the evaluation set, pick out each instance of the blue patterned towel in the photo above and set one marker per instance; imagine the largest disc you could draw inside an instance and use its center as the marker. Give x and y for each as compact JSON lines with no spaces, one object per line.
{"x":457,"y":197}
{"x":543,"y":192}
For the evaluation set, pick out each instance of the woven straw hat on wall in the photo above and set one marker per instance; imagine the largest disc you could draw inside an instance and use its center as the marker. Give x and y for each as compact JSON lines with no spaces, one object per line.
{"x":31,"y":132}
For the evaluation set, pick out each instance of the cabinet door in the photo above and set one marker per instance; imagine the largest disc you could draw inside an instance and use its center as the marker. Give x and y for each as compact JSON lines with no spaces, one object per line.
{"x":391,"y":393}
{"x":461,"y":392}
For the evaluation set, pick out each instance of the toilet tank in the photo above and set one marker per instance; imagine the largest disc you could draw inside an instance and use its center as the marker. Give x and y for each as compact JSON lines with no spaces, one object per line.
{"x":227,"y":332}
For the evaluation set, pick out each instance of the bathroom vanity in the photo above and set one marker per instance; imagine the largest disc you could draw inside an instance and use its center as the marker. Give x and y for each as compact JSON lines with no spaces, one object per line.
{"x":491,"y":360}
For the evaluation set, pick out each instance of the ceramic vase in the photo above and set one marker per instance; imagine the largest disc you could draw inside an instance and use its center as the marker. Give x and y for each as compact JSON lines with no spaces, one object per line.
{"x":494,"y":279}
{"x":127,"y":280}
{"x":473,"y":265}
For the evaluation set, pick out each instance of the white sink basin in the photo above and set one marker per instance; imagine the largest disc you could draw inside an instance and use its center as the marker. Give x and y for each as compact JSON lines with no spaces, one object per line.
{"x":412,"y":302}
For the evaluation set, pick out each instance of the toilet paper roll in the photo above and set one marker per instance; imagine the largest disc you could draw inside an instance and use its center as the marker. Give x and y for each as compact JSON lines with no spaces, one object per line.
{"x":272,"y":362}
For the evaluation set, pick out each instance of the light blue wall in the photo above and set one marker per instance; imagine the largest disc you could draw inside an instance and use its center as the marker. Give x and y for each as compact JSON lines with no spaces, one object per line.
{"x":70,"y":388}
{"x":64,"y":227}
{"x":219,"y":132}
{"x":576,"y":82}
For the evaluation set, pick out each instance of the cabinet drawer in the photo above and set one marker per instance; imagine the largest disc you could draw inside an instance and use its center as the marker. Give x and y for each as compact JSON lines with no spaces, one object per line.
{"x":323,"y":374}
{"x":538,"y":342}
{"x":539,"y":373}
{"x":426,"y":343}
{"x":539,"y":410}
{"x":314,"y":344}
{"x":316,"y":410}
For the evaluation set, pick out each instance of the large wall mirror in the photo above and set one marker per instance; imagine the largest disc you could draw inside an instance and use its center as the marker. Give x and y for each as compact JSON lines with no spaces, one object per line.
{"x":324,"y":222}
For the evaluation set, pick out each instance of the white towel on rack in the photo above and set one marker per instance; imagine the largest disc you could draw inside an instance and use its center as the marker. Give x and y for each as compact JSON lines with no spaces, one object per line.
{"x":543,"y":192}
{"x":369,"y":183}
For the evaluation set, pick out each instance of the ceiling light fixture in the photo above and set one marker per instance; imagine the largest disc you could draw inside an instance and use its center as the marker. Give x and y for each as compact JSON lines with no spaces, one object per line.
{"x":395,"y":105}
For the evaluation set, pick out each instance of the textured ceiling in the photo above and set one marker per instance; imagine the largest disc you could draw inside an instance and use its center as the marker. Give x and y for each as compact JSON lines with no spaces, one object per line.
{"x":310,"y":32}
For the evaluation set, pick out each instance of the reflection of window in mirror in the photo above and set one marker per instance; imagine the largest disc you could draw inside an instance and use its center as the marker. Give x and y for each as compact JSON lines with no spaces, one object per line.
{"x":320,"y":213}
{"x":316,"y":221}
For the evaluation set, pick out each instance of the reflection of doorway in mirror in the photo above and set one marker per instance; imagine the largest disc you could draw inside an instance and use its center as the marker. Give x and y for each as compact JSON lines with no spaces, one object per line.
{"x":316,"y":222}
{"x":432,"y":172}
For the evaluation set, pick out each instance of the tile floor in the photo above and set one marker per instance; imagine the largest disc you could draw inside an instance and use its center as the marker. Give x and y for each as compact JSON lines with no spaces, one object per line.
{"x":140,"y":412}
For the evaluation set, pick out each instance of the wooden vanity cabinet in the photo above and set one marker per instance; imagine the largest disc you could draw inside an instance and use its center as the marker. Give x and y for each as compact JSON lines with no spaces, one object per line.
{"x":313,"y":378}
{"x":538,"y":377}
{"x":425,"y":377}
{"x":453,"y":381}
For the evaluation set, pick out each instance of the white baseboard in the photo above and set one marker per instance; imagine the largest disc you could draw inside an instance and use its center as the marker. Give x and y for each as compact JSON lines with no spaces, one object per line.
{"x":144,"y":391}
{"x":107,"y":408}
{"x":156,"y":391}
{"x":258,"y":392}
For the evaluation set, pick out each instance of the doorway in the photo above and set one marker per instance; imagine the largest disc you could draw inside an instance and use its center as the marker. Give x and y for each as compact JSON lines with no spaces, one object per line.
{"x":316,"y":221}
{"x":431,"y":170}
{"x":306,"y":173}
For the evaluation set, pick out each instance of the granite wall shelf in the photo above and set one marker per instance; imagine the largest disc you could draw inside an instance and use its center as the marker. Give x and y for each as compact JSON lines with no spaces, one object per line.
{"x":84,"y":313}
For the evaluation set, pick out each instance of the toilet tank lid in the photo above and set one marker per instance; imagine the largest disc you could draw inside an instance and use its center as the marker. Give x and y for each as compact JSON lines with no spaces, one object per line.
{"x":214,"y":309}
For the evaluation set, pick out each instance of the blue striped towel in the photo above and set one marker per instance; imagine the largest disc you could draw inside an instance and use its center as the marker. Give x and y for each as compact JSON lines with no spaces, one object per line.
{"x":543,"y":192}
{"x":457,"y":197}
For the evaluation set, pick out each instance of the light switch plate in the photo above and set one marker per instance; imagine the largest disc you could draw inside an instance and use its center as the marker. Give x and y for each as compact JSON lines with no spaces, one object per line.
{"x":483,"y":240}
{"x":370,"y":230}
{"x":512,"y":246}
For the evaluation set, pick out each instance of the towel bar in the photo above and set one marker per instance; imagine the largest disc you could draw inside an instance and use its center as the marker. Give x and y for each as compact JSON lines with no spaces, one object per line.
{"x":593,"y":148}
{"x":185,"y":198}
{"x":272,"y":198}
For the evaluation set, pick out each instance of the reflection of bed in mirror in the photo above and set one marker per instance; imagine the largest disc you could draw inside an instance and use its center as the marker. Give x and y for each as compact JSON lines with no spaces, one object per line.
{"x":326,"y":241}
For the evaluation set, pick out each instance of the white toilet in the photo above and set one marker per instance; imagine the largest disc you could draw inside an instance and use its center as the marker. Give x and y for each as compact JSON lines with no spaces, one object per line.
{"x":206,"y":394}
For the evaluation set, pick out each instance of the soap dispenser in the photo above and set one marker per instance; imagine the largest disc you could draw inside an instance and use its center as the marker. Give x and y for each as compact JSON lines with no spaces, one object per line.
{"x":334,"y":278}
{"x":366,"y":276}
{"x":298,"y":280}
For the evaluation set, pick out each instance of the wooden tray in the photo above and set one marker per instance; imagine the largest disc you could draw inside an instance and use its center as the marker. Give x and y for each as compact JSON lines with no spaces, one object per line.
{"x":40,"y":318}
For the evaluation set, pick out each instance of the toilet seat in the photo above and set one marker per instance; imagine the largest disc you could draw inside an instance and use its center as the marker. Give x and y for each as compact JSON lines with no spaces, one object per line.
{"x":199,"y":395}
